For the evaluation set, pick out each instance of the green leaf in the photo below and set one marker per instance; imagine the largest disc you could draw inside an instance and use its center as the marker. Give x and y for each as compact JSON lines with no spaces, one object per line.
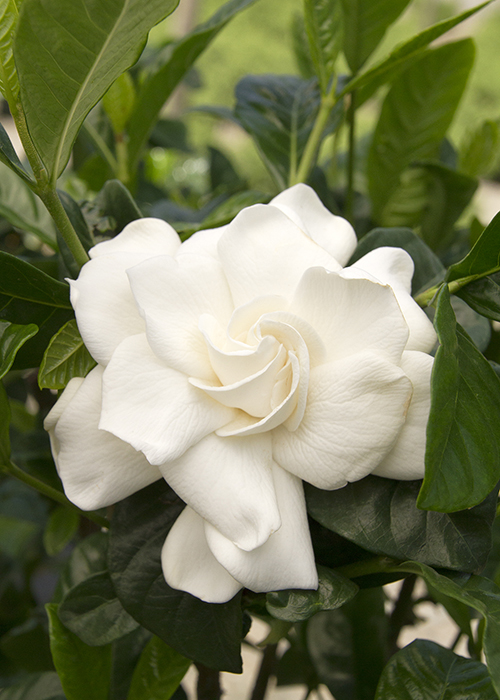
{"x":483,"y":259}
{"x":28,"y":646}
{"x":66,"y":357}
{"x":483,"y":296}
{"x":138,"y":530}
{"x":381,"y":515}
{"x":403,"y":55}
{"x":478,"y":593}
{"x":415,"y":116}
{"x":114,"y":200}
{"x":479,"y":153}
{"x":118,"y":102}
{"x":42,"y":686}
{"x":84,"y":671}
{"x":67,"y":56}
{"x":9,"y":84}
{"x":9,"y":157}
{"x":427,"y":670}
{"x":77,"y":219}
{"x":323,"y":21}
{"x":88,"y":558}
{"x":29,"y":296}
{"x":61,"y":528}
{"x":12,"y":338}
{"x":476,"y":326}
{"x":23,"y":209}
{"x":463,"y":434}
{"x":294,"y":605}
{"x":365,"y":23}
{"x":93,"y":612}
{"x":158,"y":673}
{"x":175,"y":62}
{"x":224,"y":213}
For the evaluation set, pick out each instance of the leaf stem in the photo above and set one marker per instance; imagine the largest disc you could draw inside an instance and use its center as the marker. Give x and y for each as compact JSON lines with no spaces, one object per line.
{"x":426,"y":298}
{"x":15,"y":471}
{"x":377,"y":565}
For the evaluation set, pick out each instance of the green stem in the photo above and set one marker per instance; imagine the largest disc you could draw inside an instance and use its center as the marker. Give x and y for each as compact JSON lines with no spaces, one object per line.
{"x":426,"y":298}
{"x":15,"y":471}
{"x":351,"y":160}
{"x":328,"y":102}
{"x":377,"y":565}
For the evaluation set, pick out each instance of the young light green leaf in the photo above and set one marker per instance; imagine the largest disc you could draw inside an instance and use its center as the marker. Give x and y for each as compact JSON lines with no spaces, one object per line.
{"x":426,"y":669}
{"x":323,"y":20}
{"x":403,"y":55}
{"x":9,"y":84}
{"x":463,"y":433}
{"x":483,"y":259}
{"x":365,"y":23}
{"x":66,"y":357}
{"x":12,"y":338}
{"x":479,"y":153}
{"x":60,"y":529}
{"x":176,"y":61}
{"x":84,"y":671}
{"x":118,"y":102}
{"x":158,"y":673}
{"x":415,"y":116}
{"x":294,"y":605}
{"x":67,"y":56}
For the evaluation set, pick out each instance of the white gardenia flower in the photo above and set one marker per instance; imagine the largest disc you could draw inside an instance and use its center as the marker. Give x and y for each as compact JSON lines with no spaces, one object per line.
{"x":235,"y":366}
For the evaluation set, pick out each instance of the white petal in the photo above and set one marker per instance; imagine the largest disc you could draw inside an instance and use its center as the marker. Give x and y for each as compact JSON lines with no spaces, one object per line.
{"x":143,"y":237}
{"x":171,"y":295}
{"x":263,"y":252}
{"x":96,"y":468}
{"x":189,"y":565}
{"x":406,"y":459}
{"x":394,"y":266}
{"x":286,"y":560}
{"x":355,"y":410}
{"x":203,"y":242}
{"x":105,"y":308}
{"x":351,"y":315}
{"x":153,"y":407}
{"x":333,"y":233}
{"x":228,"y":481}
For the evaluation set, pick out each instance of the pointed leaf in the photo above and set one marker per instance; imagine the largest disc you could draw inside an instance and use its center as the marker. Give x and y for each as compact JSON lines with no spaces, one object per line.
{"x":158,"y":673}
{"x":483,"y":296}
{"x":415,"y":116}
{"x":67,"y":56}
{"x":9,"y":84}
{"x":463,"y":434}
{"x":483,"y":259}
{"x":66,"y":357}
{"x":12,"y":338}
{"x":323,"y":20}
{"x":424,"y":669}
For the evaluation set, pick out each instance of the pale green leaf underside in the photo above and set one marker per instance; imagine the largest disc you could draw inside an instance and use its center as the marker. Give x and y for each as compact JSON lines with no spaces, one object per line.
{"x":9,"y":85}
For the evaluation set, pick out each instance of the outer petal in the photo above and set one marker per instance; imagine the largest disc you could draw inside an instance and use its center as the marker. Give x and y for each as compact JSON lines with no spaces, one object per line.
{"x":351,"y":315}
{"x":189,"y":565}
{"x":171,"y":295}
{"x":229,"y":482}
{"x":203,"y":242}
{"x":263,"y":252}
{"x":154,"y":407}
{"x":395,"y":267}
{"x":105,"y":309}
{"x":286,"y":560}
{"x":406,"y":459}
{"x":96,"y":468}
{"x":333,"y":233}
{"x":144,"y":237}
{"x":355,"y":410}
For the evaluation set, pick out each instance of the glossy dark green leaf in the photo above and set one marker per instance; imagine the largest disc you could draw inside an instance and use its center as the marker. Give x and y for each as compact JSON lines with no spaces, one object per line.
{"x":483,"y":259}
{"x":84,"y":671}
{"x":425,"y":670}
{"x":479,"y":153}
{"x":60,"y":529}
{"x":478,"y":593}
{"x":12,"y":338}
{"x":415,"y":116}
{"x":93,"y":612}
{"x":67,"y":56}
{"x":23,"y":209}
{"x":114,"y":200}
{"x":483,"y":296}
{"x":4,"y":426}
{"x":9,"y":157}
{"x":158,"y":673}
{"x":294,"y":605}
{"x":279,"y":112}
{"x":463,"y":434}
{"x":139,"y":528}
{"x":404,"y":54}
{"x":428,"y":267}
{"x":126,"y":652}
{"x":174,"y":63}
{"x":88,"y":558}
{"x":365,"y":23}
{"x":66,"y":357}
{"x":323,"y":21}
{"x":476,"y":326}
{"x":381,"y":516}
{"x":42,"y":686}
